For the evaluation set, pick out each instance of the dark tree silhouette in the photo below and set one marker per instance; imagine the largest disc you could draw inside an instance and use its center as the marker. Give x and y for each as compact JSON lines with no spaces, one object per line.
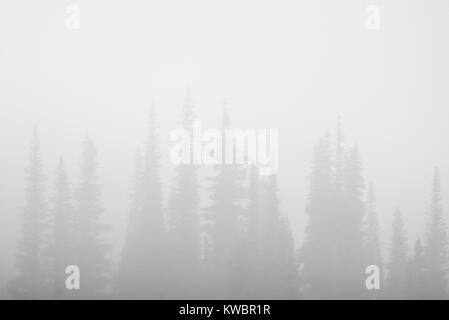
{"x":144,"y":252}
{"x":61,"y":250}
{"x":225,"y":228}
{"x":436,"y":244}
{"x":398,"y":259}
{"x":349,"y":225}
{"x":416,"y":282}
{"x":29,"y":284}
{"x":127,"y":283}
{"x":252,"y":245}
{"x":372,"y":245}
{"x":271,"y":267}
{"x":332,"y":257}
{"x":318,"y":253}
{"x":279,"y":265}
{"x":183,"y":222}
{"x":92,"y":260}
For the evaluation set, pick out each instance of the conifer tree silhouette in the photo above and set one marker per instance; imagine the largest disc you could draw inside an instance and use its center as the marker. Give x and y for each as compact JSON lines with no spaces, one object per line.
{"x":436,"y":243}
{"x":398,"y":259}
{"x":30,"y":283}
{"x":318,"y":254}
{"x":61,"y":250}
{"x":183,"y":221}
{"x":416,"y":282}
{"x":372,"y":245}
{"x":224,"y":218}
{"x":92,"y":249}
{"x":143,"y":258}
{"x":349,"y":227}
{"x":279,"y":264}
{"x":128,"y":283}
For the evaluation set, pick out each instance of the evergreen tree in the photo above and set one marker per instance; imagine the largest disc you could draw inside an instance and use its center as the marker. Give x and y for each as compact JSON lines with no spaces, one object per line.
{"x":128,"y":283}
{"x":183,"y":221}
{"x":318,"y":254}
{"x":436,"y":244}
{"x":252,"y":246}
{"x":225,"y":227}
{"x":416,"y":284}
{"x":144,"y":251}
{"x":29,"y":284}
{"x":372,"y":244}
{"x":398,"y":259}
{"x":349,"y":225}
{"x":279,"y":265}
{"x":61,"y":250}
{"x":92,"y":249}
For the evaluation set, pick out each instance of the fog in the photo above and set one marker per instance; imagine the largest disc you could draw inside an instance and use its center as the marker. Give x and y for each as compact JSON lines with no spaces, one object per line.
{"x":294,"y":66}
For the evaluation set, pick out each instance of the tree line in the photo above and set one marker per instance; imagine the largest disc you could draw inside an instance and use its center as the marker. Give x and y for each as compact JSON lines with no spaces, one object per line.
{"x":240,"y":246}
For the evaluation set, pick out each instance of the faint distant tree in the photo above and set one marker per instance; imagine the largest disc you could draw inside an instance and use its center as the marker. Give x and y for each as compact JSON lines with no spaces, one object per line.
{"x":271,"y":268}
{"x":279,"y":264}
{"x":225,"y":227}
{"x":61,"y":249}
{"x":183,"y":221}
{"x":318,"y":254}
{"x":416,"y":281}
{"x":436,"y":244}
{"x":349,"y":229}
{"x":92,"y":249}
{"x":128,"y":282}
{"x":144,"y":255}
{"x":372,"y":245}
{"x":397,"y":264}
{"x":29,"y":284}
{"x":252,"y":245}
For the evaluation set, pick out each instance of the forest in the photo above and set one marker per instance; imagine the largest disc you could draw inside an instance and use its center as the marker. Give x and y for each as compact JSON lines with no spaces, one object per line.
{"x":240,"y":246}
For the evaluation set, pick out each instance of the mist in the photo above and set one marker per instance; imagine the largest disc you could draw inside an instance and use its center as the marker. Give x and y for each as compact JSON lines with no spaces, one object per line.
{"x":102,"y":84}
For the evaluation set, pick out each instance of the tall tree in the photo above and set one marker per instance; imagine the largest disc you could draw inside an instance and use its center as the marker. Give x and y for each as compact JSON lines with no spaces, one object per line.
{"x":436,"y":243}
{"x":318,"y":254}
{"x":92,"y":261}
{"x":398,"y":259}
{"x":279,"y":264}
{"x":128,"y":284}
{"x":416,"y":282}
{"x":183,"y":220}
{"x":29,"y":284}
{"x":144,"y":251}
{"x":224,"y":218}
{"x":349,"y":225}
{"x":372,"y":245}
{"x":61,"y":250}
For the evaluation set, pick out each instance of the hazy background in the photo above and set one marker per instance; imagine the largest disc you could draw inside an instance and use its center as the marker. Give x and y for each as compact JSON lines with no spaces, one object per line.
{"x":291,"y":65}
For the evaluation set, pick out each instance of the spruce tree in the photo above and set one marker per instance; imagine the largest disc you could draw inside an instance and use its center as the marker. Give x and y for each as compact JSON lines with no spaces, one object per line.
{"x":372,"y":245}
{"x":145,"y":247}
{"x":398,"y":259}
{"x":29,"y":284}
{"x":183,"y":221}
{"x":436,"y":243}
{"x":224,"y":218}
{"x":92,"y":249}
{"x":349,"y":224}
{"x":129,"y":285}
{"x":61,"y":250}
{"x":279,"y":264}
{"x":318,"y":254}
{"x":416,"y":282}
